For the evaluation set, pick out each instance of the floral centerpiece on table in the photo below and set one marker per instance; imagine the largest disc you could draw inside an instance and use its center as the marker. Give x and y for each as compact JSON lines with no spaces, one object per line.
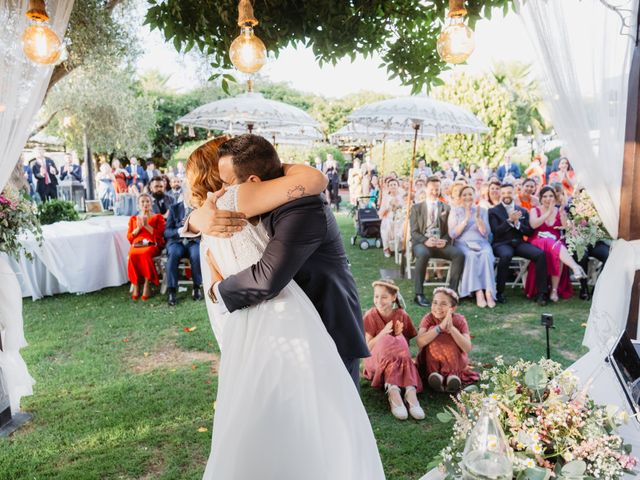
{"x":586,"y":226}
{"x":18,"y":215}
{"x":553,"y":429}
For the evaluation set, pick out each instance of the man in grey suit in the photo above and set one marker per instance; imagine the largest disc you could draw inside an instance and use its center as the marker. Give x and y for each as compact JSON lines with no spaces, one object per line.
{"x":430,"y":239}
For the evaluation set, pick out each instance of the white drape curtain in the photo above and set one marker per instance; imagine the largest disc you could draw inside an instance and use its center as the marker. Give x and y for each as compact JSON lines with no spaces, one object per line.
{"x":584,"y":49}
{"x":22,"y":89}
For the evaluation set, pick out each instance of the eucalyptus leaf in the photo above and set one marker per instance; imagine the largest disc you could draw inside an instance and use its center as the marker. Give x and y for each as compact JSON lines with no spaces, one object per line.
{"x":535,"y":378}
{"x":444,"y":417}
{"x":575,"y":468}
{"x":534,"y":473}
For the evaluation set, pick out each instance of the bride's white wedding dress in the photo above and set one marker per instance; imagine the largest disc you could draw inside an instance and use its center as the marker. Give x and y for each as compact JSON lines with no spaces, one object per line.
{"x":286,"y":407}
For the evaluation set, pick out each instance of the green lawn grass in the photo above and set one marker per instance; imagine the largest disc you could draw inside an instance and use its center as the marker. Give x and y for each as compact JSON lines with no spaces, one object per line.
{"x":123,"y":390}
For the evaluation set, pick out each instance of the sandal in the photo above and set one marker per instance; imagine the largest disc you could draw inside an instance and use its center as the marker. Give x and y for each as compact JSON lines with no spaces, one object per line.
{"x":554,"y":295}
{"x":398,"y":411}
{"x":415,"y":409}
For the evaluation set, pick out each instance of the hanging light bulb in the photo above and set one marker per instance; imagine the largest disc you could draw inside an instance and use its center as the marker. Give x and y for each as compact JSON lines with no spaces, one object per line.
{"x":39,"y":43}
{"x":456,"y":43}
{"x":247,"y":52}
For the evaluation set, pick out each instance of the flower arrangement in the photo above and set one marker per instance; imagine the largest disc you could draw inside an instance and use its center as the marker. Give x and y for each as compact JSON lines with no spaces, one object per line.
{"x":586,"y":226}
{"x":553,"y":429}
{"x":18,"y":215}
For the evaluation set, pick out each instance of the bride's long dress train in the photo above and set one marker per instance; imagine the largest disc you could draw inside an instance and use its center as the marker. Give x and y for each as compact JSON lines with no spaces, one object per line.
{"x":286,"y":407}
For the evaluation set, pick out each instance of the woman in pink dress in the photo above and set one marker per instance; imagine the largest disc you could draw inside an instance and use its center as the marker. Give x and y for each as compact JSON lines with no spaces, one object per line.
{"x":388,"y":331}
{"x":548,"y":221}
{"x":445,"y":343}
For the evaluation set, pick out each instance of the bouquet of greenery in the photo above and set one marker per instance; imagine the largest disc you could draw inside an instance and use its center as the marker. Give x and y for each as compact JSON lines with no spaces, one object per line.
{"x":586,"y":226}
{"x":18,"y":215}
{"x":553,"y":429}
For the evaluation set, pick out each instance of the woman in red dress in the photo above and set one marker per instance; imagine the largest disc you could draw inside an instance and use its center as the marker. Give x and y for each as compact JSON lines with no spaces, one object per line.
{"x":120,"y":177}
{"x":547,"y":221}
{"x":444,"y":343}
{"x":146,"y":235}
{"x":388,"y":331}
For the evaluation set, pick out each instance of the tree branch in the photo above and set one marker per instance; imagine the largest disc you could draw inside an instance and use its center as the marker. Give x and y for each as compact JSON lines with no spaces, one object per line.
{"x":43,"y":125}
{"x":111,"y":4}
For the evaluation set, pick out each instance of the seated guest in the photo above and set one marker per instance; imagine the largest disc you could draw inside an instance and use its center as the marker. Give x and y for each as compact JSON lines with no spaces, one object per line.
{"x":547,"y":221}
{"x":422,"y":169}
{"x":430,"y":239}
{"x":490,"y":197}
{"x":70,"y":170}
{"x":146,"y":237}
{"x":509,"y":224}
{"x":508,"y":168}
{"x":175,"y":191}
{"x":151,"y":172}
{"x":391,"y":216}
{"x":564,"y":175}
{"x":444,"y":343}
{"x":178,"y":248}
{"x":161,"y":201}
{"x":446,"y":188}
{"x":388,"y":331}
{"x":456,"y":188}
{"x":469,"y":229}
{"x":527,"y":196}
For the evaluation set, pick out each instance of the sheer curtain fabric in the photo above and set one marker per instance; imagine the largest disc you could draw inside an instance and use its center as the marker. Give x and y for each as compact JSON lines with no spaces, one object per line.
{"x":22,"y":89}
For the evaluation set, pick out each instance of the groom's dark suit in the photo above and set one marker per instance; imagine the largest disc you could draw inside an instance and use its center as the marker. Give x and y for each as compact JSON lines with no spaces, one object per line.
{"x":305,"y":245}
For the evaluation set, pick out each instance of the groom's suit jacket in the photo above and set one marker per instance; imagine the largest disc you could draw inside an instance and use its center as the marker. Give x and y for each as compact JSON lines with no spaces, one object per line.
{"x":305,"y":245}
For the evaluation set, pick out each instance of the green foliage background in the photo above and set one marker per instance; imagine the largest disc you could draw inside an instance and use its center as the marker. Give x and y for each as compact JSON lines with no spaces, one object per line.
{"x":57,"y":211}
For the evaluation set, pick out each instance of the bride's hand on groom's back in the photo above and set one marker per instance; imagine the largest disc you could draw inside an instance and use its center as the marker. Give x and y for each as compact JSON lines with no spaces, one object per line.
{"x":210,"y":220}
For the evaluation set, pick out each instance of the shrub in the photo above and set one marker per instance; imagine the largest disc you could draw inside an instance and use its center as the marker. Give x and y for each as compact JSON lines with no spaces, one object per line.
{"x":57,"y":211}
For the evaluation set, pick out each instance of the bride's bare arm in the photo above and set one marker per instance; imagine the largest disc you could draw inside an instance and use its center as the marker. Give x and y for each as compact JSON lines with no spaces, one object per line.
{"x":255,"y":198}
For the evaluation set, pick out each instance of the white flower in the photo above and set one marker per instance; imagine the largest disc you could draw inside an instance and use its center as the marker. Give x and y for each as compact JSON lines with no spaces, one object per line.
{"x":537,"y":449}
{"x":530,"y":463}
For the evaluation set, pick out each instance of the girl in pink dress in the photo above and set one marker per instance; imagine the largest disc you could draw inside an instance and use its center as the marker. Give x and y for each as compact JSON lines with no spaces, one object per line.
{"x":388,"y":331}
{"x":548,"y":221}
{"x":445,"y":343}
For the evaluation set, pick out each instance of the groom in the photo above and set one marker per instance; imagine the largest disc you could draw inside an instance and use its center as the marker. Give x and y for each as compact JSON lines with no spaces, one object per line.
{"x":305,"y":246}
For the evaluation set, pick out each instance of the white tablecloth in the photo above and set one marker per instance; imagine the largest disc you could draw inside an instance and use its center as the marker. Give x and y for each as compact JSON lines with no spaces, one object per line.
{"x":76,"y":257}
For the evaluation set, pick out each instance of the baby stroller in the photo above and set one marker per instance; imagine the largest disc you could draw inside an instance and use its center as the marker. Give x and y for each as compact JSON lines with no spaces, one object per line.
{"x":367,"y":225}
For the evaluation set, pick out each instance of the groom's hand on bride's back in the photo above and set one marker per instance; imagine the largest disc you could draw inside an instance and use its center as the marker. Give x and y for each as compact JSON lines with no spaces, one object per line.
{"x":210,"y":220}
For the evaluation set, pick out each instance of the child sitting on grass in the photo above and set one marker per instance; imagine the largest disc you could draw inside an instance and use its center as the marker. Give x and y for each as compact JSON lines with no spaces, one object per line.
{"x":388,"y":330}
{"x":444,"y":343}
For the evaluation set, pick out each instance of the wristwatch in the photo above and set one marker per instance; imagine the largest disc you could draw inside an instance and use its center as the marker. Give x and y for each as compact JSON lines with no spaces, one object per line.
{"x":438,"y":329}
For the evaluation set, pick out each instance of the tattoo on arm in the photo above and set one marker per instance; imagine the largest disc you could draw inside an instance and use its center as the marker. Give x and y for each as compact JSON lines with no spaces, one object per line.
{"x":295,"y":192}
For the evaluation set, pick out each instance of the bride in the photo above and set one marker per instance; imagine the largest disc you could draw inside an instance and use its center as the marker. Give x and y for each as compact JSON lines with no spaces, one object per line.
{"x":286,"y":407}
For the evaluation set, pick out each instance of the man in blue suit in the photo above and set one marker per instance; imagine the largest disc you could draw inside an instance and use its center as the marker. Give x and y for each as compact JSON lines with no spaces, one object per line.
{"x":178,"y":248}
{"x":70,"y":170}
{"x":137,"y":175}
{"x":508,"y":168}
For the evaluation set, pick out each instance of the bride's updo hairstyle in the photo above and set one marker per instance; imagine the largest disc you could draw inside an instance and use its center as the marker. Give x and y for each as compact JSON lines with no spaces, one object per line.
{"x":202,"y":170}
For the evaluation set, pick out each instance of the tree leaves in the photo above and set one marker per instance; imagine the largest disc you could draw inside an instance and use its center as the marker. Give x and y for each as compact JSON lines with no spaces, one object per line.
{"x":403,"y":32}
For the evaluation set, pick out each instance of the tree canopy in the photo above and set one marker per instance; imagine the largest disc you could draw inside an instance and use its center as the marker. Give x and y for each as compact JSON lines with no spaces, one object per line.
{"x":403,"y":32}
